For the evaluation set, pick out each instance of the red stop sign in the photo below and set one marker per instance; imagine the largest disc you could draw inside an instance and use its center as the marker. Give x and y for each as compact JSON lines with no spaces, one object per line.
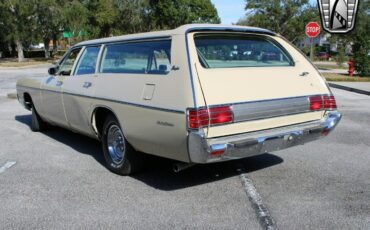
{"x":312,"y":29}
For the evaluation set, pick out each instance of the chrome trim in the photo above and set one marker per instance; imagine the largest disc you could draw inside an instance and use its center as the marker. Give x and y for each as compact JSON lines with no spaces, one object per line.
{"x":253,"y":143}
{"x":218,"y":147}
{"x":267,"y":109}
{"x":190,"y":69}
{"x":110,"y":100}
{"x":127,"y":40}
{"x":231,"y":29}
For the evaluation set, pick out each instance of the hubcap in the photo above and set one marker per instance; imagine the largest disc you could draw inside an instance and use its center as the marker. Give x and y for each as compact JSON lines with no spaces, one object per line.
{"x":116,"y":144}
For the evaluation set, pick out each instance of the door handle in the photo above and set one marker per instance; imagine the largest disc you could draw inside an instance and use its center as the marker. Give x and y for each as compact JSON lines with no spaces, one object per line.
{"x":59,"y":83}
{"x":87,"y":85}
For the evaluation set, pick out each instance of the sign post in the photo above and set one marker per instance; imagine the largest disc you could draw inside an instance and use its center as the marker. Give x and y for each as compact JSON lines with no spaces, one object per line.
{"x":312,"y":31}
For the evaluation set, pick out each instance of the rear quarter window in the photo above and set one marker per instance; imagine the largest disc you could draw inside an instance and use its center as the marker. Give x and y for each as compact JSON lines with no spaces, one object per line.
{"x":240,"y":50}
{"x":152,"y":57}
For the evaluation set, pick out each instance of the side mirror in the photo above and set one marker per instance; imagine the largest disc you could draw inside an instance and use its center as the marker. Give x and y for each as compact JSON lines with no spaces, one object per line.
{"x":52,"y":70}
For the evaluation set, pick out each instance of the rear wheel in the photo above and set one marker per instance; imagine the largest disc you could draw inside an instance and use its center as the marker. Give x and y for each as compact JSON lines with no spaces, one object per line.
{"x":37,"y":123}
{"x":120,"y":156}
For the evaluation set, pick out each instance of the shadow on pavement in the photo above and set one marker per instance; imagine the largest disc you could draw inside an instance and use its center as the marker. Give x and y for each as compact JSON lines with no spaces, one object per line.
{"x":78,"y":142}
{"x":158,"y":171}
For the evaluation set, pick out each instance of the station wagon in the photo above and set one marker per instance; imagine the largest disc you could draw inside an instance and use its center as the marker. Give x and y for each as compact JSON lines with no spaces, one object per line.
{"x":197,"y":94}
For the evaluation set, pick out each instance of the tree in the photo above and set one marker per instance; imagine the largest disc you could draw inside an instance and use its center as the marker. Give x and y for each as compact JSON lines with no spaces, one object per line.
{"x":116,"y":17}
{"x":75,"y":19}
{"x":169,"y":14}
{"x":136,"y":12}
{"x":361,"y":39}
{"x":21,"y":22}
{"x":287,"y":18}
{"x":49,"y":22}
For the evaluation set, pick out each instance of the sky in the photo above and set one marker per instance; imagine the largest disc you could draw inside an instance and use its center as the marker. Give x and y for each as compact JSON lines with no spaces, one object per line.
{"x":230,"y":11}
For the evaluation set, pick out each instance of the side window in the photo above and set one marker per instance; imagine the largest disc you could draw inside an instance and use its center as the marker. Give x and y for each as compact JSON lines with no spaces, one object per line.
{"x":66,"y":67}
{"x":160,"y":62}
{"x":152,"y":57}
{"x":87,"y":62}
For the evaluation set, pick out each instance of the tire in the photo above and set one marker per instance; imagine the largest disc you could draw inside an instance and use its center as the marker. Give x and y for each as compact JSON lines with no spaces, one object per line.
{"x":120,"y":157}
{"x":37,"y":123}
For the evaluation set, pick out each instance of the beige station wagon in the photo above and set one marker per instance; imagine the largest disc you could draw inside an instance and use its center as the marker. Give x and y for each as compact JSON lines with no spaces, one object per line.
{"x":196,"y":94}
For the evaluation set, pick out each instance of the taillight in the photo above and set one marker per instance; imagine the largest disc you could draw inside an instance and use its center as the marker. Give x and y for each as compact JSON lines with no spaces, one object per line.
{"x":316,"y":103}
{"x":198,"y":118}
{"x":322,"y":102}
{"x":329,"y":102}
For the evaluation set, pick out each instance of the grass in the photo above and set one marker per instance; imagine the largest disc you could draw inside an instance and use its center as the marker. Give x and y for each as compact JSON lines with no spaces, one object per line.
{"x":340,"y":77}
{"x":13,"y":62}
{"x":327,"y":67}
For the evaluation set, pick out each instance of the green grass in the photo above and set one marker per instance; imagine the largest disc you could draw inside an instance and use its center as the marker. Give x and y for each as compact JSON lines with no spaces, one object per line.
{"x":13,"y":62}
{"x":328,"y":67}
{"x":340,"y":77}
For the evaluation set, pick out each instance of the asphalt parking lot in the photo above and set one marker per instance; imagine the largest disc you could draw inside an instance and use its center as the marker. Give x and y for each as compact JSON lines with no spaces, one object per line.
{"x":57,"y":180}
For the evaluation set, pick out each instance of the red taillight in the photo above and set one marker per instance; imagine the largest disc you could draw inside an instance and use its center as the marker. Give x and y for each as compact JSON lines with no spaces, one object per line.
{"x":220,"y":115}
{"x":213,"y":116}
{"x":329,"y":102}
{"x":198,"y":118}
{"x":316,"y":103}
{"x":322,"y":102}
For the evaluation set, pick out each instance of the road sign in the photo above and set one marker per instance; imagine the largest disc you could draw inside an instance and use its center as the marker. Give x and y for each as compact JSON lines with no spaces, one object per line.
{"x":312,"y":29}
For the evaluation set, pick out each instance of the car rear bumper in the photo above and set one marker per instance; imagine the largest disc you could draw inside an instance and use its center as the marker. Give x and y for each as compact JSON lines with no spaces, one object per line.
{"x":207,"y":150}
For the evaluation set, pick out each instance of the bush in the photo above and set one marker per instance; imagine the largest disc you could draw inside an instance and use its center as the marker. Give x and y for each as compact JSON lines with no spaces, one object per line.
{"x":59,"y":53}
{"x":340,"y":57}
{"x":361,"y":57}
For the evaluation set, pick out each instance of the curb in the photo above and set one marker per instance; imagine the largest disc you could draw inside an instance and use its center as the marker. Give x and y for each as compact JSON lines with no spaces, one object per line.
{"x":360,"y":91}
{"x":12,"y":95}
{"x":26,"y":66}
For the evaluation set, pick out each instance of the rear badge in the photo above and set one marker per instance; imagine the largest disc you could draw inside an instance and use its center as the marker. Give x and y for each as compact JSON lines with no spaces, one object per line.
{"x":164,"y":123}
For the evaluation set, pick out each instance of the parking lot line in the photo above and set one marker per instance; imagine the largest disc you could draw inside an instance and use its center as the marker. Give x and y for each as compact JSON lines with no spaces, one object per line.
{"x":7,"y":165}
{"x":255,"y":198}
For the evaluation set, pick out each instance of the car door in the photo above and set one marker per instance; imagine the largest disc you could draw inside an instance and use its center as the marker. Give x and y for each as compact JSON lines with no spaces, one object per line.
{"x":52,"y":90}
{"x":78,"y":90}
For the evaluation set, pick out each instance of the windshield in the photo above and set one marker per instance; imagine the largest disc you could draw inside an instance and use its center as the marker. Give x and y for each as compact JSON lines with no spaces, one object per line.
{"x":239,"y":50}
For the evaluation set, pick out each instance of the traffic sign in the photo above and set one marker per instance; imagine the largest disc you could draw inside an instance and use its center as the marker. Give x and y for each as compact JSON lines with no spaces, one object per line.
{"x":312,"y":29}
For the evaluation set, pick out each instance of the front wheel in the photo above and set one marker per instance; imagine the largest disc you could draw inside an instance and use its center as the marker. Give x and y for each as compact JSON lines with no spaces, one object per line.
{"x":37,"y":124}
{"x":119,"y":155}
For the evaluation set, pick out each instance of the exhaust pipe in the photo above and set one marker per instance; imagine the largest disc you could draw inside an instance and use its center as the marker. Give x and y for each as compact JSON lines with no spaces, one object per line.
{"x":177,"y":167}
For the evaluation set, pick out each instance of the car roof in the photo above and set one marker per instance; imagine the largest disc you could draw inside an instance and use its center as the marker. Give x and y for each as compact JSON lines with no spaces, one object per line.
{"x":178,"y":31}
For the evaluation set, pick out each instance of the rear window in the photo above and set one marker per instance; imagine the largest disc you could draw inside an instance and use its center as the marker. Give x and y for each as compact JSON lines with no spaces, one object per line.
{"x":152,"y":57}
{"x":239,"y":50}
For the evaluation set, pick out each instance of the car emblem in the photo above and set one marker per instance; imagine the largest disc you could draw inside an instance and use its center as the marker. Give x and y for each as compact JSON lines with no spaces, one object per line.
{"x":338,"y":16}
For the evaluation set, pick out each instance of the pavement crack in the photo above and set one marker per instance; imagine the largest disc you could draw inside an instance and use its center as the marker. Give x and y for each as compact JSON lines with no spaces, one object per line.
{"x":264,"y":217}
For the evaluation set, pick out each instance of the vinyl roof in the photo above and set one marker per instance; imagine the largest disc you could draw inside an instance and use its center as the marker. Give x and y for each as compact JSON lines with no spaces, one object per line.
{"x":178,"y":31}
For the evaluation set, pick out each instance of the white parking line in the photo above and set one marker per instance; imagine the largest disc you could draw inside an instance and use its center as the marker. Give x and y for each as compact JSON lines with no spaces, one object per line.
{"x":7,"y":165}
{"x":254,"y":197}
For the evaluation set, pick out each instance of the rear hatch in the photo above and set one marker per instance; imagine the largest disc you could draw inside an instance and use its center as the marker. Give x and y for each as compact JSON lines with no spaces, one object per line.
{"x":264,"y":80}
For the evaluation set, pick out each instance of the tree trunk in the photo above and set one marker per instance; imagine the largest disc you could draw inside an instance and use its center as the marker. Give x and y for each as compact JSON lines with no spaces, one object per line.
{"x":46,"y":47}
{"x":13,"y":49}
{"x":20,"y":51}
{"x":55,"y":44}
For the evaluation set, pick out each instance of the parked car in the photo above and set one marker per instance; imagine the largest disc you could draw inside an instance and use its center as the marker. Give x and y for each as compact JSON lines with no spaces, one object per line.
{"x":173,"y":94}
{"x":323,"y":56}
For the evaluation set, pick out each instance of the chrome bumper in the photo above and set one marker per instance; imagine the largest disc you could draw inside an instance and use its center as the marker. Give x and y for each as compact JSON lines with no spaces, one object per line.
{"x":253,"y":143}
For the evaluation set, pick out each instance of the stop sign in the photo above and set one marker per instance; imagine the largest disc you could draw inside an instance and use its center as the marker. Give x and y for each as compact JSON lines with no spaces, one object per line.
{"x":312,"y":29}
